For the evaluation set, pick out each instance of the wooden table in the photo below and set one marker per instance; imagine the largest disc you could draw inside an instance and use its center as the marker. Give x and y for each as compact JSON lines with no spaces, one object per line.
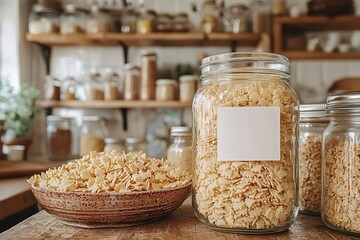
{"x":180,"y":225}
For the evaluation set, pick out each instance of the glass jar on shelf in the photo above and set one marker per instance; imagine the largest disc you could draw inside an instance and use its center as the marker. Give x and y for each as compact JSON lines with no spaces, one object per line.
{"x":92,"y":135}
{"x":236,"y":19}
{"x":135,"y":145}
{"x":99,"y":21}
{"x":341,"y":161}
{"x":188,"y":87}
{"x":146,"y":21}
{"x":73,"y":20}
{"x":166,"y":89}
{"x":112,"y":144}
{"x":244,"y":161}
{"x":148,"y":75}
{"x":131,"y":82}
{"x":260,"y":16}
{"x":180,"y":152}
{"x":210,"y":17}
{"x":61,"y":138}
{"x":95,"y":87}
{"x":313,"y":121}
{"x":52,"y":88}
{"x":112,"y":87}
{"x":69,"y":87}
{"x":44,"y":19}
{"x":128,"y":21}
{"x":163,"y":23}
{"x":181,"y":23}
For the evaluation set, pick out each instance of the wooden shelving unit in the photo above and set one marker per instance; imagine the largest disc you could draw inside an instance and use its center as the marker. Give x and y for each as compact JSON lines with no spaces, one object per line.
{"x":118,"y":104}
{"x":287,"y":29}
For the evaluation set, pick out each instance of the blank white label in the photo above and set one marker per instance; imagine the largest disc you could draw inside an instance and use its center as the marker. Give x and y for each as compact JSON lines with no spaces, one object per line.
{"x":248,"y":133}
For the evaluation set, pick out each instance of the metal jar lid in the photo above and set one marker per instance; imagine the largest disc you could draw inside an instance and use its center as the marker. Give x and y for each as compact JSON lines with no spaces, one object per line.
{"x":181,"y":131}
{"x":313,"y":111}
{"x":347,"y":102}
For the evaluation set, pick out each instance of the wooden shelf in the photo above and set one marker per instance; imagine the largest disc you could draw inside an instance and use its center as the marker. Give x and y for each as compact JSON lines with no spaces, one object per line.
{"x":118,"y":104}
{"x":320,"y":55}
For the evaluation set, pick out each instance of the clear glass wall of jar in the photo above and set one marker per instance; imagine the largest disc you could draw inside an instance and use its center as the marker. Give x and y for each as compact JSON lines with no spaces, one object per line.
{"x":92,"y":135}
{"x":164,"y":23}
{"x":180,"y":151}
{"x":146,"y":21}
{"x":210,"y":17}
{"x":181,"y":23}
{"x":313,"y":121}
{"x":43,"y":20}
{"x":188,"y":87}
{"x":52,"y":88}
{"x":166,"y":89}
{"x":131,"y":82}
{"x":69,"y":87}
{"x":73,"y":20}
{"x":135,"y":145}
{"x":128,"y":21}
{"x":99,"y":21}
{"x":148,"y":75}
{"x":246,"y":121}
{"x":340,"y":168}
{"x":61,"y":138}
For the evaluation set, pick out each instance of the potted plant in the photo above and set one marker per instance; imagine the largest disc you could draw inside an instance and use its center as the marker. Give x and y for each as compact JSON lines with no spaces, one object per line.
{"x":17,"y":111}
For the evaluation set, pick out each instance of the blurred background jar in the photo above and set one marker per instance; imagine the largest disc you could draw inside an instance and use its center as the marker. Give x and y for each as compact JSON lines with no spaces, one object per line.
{"x":69,"y":87}
{"x":164,"y":23}
{"x":99,"y":21}
{"x":112,"y":90}
{"x":146,"y":21}
{"x":52,"y":88}
{"x":210,"y":17}
{"x":236,"y":19}
{"x":260,"y":16}
{"x":278,"y":7}
{"x":180,"y":151}
{"x":61,"y":138}
{"x":73,"y":20}
{"x":44,"y":19}
{"x":188,"y":87}
{"x":148,"y":75}
{"x":135,"y":145}
{"x":112,"y":144}
{"x":131,"y":82}
{"x":166,"y":89}
{"x":95,"y":87}
{"x":181,"y":23}
{"x":92,"y":135}
{"x":128,"y":21}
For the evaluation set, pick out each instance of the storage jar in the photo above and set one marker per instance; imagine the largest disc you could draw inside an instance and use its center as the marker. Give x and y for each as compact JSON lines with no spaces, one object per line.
{"x":135,"y":145}
{"x":132,"y":82}
{"x":112,"y":87}
{"x":246,"y":121}
{"x":341,"y":164}
{"x":210,"y":15}
{"x":128,"y":21}
{"x":148,"y":76}
{"x":181,"y":23}
{"x":180,"y":151}
{"x":237,"y":17}
{"x":52,"y":88}
{"x":99,"y":21}
{"x":92,"y":135}
{"x":73,"y":20}
{"x":112,"y":144}
{"x":69,"y":86}
{"x":163,"y":23}
{"x":43,"y":19}
{"x":95,"y":87}
{"x":188,"y":87}
{"x":146,"y":21}
{"x":166,"y":89}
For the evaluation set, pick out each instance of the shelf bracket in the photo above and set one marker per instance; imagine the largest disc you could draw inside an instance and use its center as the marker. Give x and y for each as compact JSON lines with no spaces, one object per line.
{"x":48,"y":111}
{"x":46,"y":54}
{"x":124,"y":115}
{"x":233,"y":46}
{"x":126,"y":51}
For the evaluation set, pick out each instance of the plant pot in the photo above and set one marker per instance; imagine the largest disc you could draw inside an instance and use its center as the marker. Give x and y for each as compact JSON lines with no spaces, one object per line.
{"x":22,"y":142}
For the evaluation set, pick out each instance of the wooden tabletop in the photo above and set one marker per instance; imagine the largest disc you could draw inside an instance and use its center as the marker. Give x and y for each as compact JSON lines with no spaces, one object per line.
{"x":180,"y":225}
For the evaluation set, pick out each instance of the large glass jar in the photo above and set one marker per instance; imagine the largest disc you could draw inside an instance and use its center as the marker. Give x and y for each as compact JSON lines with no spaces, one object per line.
{"x":99,"y":21}
{"x":341,"y":164}
{"x":210,"y":15}
{"x":73,"y":20}
{"x":180,"y":151}
{"x":61,"y":138}
{"x":131,"y":82}
{"x":44,"y":19}
{"x":313,"y":121}
{"x":114,"y":144}
{"x":148,"y":76}
{"x":146,"y":21}
{"x":92,"y":135}
{"x":181,"y":23}
{"x":245,"y":119}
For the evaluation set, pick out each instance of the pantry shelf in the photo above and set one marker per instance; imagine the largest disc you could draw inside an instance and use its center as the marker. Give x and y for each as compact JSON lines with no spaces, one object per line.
{"x":117,"y":104}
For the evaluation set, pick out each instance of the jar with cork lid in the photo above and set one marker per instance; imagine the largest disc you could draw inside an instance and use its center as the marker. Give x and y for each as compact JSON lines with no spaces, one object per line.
{"x":131,"y":82}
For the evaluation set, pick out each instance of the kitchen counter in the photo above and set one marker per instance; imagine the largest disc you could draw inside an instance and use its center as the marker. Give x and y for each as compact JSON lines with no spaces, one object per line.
{"x":180,"y":225}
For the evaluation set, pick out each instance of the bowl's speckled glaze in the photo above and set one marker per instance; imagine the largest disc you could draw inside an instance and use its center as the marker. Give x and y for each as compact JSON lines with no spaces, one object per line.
{"x":96,"y":210}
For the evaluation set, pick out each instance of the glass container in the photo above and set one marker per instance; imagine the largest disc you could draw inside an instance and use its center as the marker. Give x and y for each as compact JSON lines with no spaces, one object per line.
{"x":237,"y":17}
{"x":188,"y":87}
{"x":99,"y":21}
{"x":210,"y":17}
{"x":148,"y":76}
{"x":73,"y":20}
{"x":128,"y":21}
{"x":112,"y":87}
{"x":114,"y":144}
{"x":43,"y":20}
{"x":132,"y":82}
{"x":69,"y":86}
{"x":181,"y":23}
{"x":166,"y":89}
{"x":135,"y":145}
{"x":164,"y":23}
{"x":246,"y":122}
{"x":92,"y":135}
{"x":180,"y":152}
{"x":313,"y":121}
{"x":340,"y":167}
{"x":95,"y":87}
{"x":52,"y":88}
{"x":260,"y":16}
{"x":146,"y":22}
{"x":61,"y":138}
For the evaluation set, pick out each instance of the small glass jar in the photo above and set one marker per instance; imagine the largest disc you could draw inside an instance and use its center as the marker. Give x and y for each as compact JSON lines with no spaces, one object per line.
{"x":112,"y":87}
{"x":43,"y":20}
{"x":128,"y":21}
{"x":73,"y":20}
{"x":237,"y":19}
{"x":114,"y":144}
{"x":95,"y":87}
{"x":146,"y":21}
{"x":180,"y":152}
{"x":135,"y":145}
{"x":340,"y":167}
{"x":181,"y":23}
{"x":132,"y":82}
{"x":166,"y":89}
{"x":99,"y":21}
{"x":163,"y":23}
{"x":246,"y":120}
{"x":260,"y":16}
{"x":69,"y":86}
{"x":52,"y":88}
{"x":92,"y":134}
{"x":188,"y":87}
{"x":61,"y":138}
{"x":148,"y":75}
{"x":313,"y":121}
{"x":210,"y":17}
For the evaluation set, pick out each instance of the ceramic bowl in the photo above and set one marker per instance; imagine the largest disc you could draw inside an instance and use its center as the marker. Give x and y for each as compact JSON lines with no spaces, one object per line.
{"x":96,"y":210}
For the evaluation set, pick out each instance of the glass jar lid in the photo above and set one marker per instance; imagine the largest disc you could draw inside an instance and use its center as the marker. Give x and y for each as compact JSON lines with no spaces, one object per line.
{"x":181,"y":131}
{"x":346,"y":102}
{"x":113,"y":140}
{"x":132,"y":140}
{"x":313,"y":112}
